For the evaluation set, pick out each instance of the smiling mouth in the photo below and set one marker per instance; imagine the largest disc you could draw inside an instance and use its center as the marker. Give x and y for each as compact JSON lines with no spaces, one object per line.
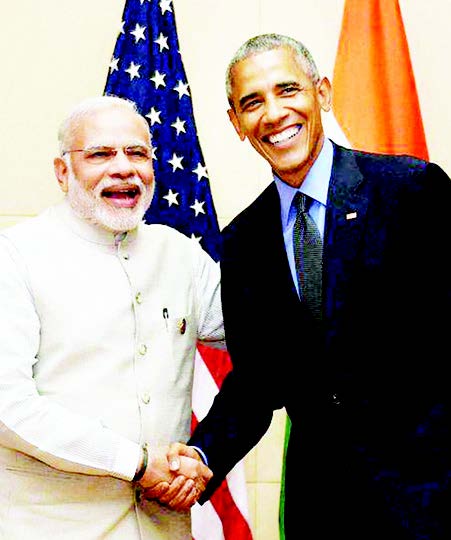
{"x":124,"y":196}
{"x":284,"y":135}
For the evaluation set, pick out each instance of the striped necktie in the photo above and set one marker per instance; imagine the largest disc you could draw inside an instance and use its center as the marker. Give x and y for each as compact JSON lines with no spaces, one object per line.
{"x":308,"y":251}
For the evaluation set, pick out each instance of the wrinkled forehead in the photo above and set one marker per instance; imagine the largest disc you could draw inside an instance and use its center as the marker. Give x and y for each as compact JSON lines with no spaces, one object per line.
{"x":113,"y":126}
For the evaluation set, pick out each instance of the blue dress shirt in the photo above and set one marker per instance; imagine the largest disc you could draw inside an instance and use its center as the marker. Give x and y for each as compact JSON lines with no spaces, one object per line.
{"x":315,"y":186}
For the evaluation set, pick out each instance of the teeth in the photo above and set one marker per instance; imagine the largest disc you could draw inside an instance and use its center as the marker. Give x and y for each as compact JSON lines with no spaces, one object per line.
{"x":283,"y":136}
{"x":131,"y":192}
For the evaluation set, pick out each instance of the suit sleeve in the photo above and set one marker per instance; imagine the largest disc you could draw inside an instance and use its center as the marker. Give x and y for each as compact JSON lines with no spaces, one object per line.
{"x":242,"y":410}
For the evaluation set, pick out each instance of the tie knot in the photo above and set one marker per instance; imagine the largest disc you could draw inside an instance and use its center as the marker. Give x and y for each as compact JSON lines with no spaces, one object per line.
{"x":301,"y":202}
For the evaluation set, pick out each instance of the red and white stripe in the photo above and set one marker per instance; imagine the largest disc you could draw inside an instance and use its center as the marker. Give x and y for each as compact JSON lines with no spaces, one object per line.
{"x":225,"y":515}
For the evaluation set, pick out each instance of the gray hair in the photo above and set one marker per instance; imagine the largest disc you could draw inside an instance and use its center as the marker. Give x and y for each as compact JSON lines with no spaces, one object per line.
{"x":268,"y":42}
{"x":82,"y":110}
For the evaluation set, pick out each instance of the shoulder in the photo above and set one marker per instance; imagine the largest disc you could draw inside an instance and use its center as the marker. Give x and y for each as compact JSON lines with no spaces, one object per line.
{"x":160,"y":233}
{"x":29,"y":229}
{"x":24,"y":240}
{"x":382,"y":163}
{"x":392,"y":171}
{"x":168,"y":241}
{"x":157,"y":230}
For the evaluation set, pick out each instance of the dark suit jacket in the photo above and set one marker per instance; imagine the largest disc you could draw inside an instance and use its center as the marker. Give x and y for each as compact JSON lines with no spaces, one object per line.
{"x":368,"y":392}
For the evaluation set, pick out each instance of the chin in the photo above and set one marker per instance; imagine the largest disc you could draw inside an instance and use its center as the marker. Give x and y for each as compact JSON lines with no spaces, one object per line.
{"x":119,"y":219}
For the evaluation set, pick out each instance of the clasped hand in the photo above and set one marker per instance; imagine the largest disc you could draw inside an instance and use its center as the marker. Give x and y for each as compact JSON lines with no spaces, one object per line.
{"x":175,"y":476}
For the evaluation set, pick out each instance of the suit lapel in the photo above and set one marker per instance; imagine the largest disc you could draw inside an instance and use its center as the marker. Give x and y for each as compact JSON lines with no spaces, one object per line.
{"x":345,"y":217}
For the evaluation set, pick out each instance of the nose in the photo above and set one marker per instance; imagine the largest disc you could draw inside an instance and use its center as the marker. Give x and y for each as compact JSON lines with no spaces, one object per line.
{"x":274,"y":110}
{"x":120,"y":164}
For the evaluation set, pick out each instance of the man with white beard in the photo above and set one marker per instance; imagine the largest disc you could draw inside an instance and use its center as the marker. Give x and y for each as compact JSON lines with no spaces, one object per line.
{"x":100,"y":316}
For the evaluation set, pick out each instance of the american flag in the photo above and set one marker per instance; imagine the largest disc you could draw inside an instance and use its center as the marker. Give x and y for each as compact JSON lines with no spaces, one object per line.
{"x":147,"y":68}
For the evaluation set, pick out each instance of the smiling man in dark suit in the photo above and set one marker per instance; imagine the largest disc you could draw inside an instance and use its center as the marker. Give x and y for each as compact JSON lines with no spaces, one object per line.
{"x":364,"y":382}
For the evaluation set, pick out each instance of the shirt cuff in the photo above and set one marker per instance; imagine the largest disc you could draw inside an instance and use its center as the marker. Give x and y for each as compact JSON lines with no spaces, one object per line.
{"x":127,"y":458}
{"x":201,"y":454}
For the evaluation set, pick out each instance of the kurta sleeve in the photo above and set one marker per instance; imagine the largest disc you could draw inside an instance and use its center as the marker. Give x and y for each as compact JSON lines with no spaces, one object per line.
{"x":208,"y":301}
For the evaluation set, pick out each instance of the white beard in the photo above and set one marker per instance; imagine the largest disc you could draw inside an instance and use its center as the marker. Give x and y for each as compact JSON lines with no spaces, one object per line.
{"x":89,"y":205}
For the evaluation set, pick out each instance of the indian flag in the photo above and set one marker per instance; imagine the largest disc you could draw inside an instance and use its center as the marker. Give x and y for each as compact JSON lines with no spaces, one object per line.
{"x":375,"y":100}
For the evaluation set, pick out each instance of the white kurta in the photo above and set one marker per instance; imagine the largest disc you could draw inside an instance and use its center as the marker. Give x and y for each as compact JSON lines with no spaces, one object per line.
{"x":97,"y":342}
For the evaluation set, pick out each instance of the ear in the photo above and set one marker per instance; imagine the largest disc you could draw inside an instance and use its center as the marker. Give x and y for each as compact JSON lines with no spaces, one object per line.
{"x":61,"y":172}
{"x":324,"y":93}
{"x":236,"y":123}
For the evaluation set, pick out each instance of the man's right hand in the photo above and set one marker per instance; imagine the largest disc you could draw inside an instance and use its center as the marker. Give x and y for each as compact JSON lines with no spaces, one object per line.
{"x":176,"y":476}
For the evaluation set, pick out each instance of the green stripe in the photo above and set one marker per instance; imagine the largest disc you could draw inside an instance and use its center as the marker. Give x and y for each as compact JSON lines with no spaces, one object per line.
{"x":282,"y":481}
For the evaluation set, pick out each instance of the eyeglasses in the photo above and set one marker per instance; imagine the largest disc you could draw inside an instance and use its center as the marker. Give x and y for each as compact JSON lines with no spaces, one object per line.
{"x":103,"y":154}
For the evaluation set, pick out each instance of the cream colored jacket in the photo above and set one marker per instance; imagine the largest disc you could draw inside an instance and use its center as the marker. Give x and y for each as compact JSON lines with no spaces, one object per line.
{"x":97,"y":344}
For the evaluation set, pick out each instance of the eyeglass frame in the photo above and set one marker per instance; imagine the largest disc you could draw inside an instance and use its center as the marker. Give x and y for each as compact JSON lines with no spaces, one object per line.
{"x":113,"y":150}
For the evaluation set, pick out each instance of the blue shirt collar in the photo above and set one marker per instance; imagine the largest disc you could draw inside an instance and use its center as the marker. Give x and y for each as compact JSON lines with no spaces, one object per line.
{"x":315,"y":184}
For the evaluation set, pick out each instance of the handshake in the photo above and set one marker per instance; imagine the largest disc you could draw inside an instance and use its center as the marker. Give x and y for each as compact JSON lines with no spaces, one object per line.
{"x":175,"y":476}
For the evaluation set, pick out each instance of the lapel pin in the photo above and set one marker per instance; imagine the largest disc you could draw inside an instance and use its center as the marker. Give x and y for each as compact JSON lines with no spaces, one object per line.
{"x":351,"y":215}
{"x":182,"y":326}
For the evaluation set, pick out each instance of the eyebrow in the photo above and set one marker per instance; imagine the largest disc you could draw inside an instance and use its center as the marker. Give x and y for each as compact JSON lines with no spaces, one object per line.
{"x":247,"y":98}
{"x":279,"y":86}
